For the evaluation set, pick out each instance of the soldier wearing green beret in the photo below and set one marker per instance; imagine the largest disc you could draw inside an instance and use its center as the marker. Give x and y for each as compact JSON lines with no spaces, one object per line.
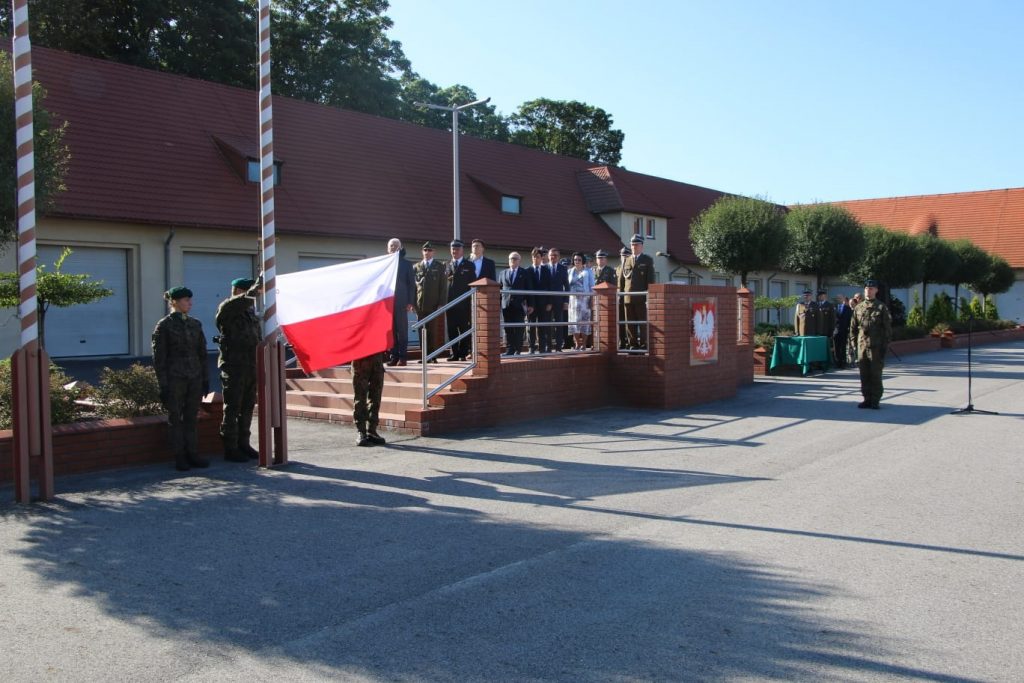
{"x":871,"y":326}
{"x":240,"y":334}
{"x":179,"y":359}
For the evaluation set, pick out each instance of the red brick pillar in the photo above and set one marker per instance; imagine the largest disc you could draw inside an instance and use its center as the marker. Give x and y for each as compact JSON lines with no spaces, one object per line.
{"x":606,"y":329}
{"x":488,"y":327}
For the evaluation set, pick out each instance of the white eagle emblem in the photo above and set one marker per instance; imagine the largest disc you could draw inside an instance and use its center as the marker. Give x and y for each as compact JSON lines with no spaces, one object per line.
{"x":704,"y":330}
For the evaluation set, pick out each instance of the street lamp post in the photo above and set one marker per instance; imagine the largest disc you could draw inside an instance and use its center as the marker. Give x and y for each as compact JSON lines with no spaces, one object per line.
{"x":455,"y":152}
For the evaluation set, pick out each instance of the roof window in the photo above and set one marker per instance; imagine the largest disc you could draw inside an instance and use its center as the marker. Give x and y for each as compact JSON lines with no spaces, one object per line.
{"x":253,"y":172}
{"x":513,"y":205}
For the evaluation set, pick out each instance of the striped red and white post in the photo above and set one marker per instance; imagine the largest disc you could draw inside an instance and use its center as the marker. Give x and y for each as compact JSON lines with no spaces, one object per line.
{"x":30,"y":366}
{"x":271,"y":392}
{"x":27,"y":308}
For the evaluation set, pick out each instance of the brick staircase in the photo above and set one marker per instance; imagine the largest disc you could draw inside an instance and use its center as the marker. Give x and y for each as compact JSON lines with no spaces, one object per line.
{"x":327,"y":395}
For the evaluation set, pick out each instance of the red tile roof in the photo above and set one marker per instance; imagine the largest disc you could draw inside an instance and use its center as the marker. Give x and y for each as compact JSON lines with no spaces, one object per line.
{"x":151,"y":147}
{"x":992,"y":219}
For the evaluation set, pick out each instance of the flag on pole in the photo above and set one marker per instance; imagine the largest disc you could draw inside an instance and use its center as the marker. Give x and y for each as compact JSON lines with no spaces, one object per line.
{"x":336,"y":314}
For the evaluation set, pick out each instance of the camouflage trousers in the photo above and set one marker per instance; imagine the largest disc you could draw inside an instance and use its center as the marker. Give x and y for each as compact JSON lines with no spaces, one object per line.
{"x":368,"y":384}
{"x":239,"y":401}
{"x":871,"y":365}
{"x":184,"y":396}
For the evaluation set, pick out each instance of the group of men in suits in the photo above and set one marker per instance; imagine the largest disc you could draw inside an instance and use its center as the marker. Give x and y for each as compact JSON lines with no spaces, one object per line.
{"x":438,"y":283}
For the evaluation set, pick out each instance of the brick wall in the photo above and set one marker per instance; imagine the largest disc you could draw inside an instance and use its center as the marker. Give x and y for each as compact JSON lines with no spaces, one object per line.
{"x":109,"y":444}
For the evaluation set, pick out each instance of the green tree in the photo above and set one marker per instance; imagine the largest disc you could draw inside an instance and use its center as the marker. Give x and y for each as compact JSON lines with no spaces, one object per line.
{"x":998,"y":278}
{"x":329,"y":51}
{"x":482,"y":121}
{"x":51,"y":154}
{"x":824,"y":239}
{"x":939,"y":264}
{"x":894,"y":258}
{"x":740,"y":235}
{"x":974,"y":262}
{"x":569,"y":128}
{"x":54,"y":289}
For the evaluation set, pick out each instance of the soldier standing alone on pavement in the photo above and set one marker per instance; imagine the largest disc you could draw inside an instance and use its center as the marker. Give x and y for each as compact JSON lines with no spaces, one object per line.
{"x":240,"y":334}
{"x":871,"y":326}
{"x":179,"y":359}
{"x":368,"y":385}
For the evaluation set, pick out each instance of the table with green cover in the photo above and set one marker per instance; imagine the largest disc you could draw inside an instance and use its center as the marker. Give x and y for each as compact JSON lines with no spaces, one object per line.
{"x":802,"y":351}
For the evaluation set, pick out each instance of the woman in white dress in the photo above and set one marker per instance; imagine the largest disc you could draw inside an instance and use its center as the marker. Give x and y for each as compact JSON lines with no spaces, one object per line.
{"x":581,"y":284}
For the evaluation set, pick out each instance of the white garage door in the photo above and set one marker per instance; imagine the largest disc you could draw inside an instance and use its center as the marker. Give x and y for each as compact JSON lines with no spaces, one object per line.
{"x":209,"y":277}
{"x":96,"y":329}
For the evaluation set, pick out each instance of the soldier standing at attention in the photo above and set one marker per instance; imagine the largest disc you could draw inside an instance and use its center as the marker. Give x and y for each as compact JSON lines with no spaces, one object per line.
{"x":871,"y":326}
{"x":240,"y":334}
{"x":806,"y":321}
{"x":431,"y":294}
{"x":368,"y":385}
{"x":623,"y":340}
{"x":636,"y":276}
{"x":602,"y":271}
{"x":179,"y":359}
{"x":826,"y":316}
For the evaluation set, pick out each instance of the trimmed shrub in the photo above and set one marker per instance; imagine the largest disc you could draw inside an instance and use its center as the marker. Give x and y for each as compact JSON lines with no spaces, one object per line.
{"x":898,"y":312}
{"x":132,"y":392}
{"x":916,"y":316}
{"x":62,"y":401}
{"x":940,"y":311}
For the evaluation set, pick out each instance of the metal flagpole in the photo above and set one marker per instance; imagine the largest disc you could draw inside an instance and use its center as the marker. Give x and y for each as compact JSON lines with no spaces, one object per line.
{"x":30,"y":366}
{"x":271,"y":391}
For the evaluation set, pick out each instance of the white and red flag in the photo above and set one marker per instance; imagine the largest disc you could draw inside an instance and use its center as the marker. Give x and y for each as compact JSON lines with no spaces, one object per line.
{"x":336,"y":314}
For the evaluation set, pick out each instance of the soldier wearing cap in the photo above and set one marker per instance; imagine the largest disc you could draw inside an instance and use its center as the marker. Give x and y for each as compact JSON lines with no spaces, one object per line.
{"x":623,"y":256}
{"x":179,"y":359}
{"x":460,"y":272}
{"x":602,"y":271}
{"x":431,"y":294}
{"x":826,"y":323}
{"x":239,"y":335}
{"x":636,"y":276}
{"x":806,"y":320}
{"x":871,"y":326}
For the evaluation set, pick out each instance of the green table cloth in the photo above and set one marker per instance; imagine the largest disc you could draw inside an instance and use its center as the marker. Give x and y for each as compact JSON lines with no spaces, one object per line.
{"x":801,"y":351}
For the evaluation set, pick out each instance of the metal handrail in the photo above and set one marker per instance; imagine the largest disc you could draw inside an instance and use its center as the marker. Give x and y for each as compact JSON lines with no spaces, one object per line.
{"x":425,"y":357}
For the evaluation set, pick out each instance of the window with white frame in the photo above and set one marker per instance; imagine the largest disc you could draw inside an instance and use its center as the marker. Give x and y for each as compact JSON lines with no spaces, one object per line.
{"x":649,"y":232}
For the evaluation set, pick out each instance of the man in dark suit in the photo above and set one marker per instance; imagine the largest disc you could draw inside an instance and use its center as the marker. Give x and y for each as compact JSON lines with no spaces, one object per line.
{"x":540,"y":281}
{"x":514,"y":307}
{"x":405,"y":301}
{"x":636,"y":276}
{"x":559,"y":304}
{"x":460,"y":272}
{"x":842,"y":331}
{"x":484,"y":266}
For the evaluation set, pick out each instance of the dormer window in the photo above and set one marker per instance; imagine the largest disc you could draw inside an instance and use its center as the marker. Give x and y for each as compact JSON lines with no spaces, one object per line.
{"x":513,"y":205}
{"x":253,"y":172}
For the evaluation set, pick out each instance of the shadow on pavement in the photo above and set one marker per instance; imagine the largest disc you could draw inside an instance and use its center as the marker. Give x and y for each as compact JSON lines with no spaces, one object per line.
{"x":351,"y":580}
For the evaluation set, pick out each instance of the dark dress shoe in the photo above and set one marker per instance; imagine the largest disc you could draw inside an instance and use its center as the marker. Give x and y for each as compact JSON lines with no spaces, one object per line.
{"x":393,"y":362}
{"x":376,"y":438}
{"x":402,"y":363}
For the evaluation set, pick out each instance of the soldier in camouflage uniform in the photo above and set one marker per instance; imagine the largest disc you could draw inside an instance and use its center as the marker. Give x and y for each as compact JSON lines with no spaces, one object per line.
{"x":240,"y":334}
{"x":179,"y":359}
{"x":368,"y":384}
{"x":871,"y":326}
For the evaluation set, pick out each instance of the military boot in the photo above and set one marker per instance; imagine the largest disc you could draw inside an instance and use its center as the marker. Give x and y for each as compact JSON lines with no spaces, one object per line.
{"x":181,"y":463}
{"x":195,"y":461}
{"x":374,"y":437}
{"x":231,"y":452}
{"x":248,"y":451}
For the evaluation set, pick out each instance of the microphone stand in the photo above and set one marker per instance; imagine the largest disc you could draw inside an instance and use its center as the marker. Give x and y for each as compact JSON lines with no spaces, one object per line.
{"x":970,"y":404}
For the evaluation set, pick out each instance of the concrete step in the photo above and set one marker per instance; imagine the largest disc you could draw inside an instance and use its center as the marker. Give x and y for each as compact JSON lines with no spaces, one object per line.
{"x":392,"y":421}
{"x":317,"y":400}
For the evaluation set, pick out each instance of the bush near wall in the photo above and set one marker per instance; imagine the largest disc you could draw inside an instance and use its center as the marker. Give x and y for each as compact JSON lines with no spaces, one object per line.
{"x":62,"y":401}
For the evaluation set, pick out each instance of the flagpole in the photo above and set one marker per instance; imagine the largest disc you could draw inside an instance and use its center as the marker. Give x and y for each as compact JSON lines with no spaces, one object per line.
{"x":271,"y":390}
{"x":30,"y":366}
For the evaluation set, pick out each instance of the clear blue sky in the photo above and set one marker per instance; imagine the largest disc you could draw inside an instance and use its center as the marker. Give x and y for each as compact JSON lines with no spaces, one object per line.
{"x":796,"y":101}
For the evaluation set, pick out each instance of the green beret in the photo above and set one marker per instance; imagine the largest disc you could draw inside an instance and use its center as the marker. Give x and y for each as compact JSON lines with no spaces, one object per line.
{"x":175,"y":293}
{"x":243,"y":282}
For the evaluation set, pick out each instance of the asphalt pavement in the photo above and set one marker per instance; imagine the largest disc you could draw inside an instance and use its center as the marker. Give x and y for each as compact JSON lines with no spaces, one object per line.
{"x":780,"y":535}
